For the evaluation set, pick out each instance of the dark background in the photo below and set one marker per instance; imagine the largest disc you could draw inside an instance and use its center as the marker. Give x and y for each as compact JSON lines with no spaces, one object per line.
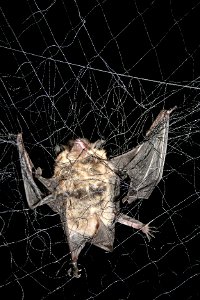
{"x":100,"y":70}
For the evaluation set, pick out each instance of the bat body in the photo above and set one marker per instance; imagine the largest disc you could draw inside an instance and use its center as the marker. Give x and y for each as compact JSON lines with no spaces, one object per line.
{"x":85,"y":186}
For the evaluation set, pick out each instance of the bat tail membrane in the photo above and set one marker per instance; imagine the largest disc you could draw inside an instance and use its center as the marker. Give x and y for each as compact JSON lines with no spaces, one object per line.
{"x":104,"y":237}
{"x":144,"y":164}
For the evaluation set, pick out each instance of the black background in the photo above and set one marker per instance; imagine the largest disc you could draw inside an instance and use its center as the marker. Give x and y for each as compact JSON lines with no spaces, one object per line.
{"x":50,"y":54}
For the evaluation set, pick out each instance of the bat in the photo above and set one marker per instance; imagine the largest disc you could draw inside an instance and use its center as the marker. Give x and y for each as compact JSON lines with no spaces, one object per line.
{"x":85,"y":187}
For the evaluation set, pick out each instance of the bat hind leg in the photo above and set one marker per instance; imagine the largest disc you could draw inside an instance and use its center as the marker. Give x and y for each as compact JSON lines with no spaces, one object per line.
{"x":131,"y":222}
{"x":76,"y":242}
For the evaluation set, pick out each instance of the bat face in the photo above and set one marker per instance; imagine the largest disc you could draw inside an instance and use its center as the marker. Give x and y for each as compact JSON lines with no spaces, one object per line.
{"x":85,"y":185}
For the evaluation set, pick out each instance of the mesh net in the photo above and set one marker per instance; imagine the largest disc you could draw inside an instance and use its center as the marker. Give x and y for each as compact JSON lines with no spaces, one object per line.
{"x":100,"y":69}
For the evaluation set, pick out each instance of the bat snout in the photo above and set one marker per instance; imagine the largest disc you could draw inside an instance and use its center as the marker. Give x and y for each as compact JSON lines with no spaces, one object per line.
{"x":80,"y":146}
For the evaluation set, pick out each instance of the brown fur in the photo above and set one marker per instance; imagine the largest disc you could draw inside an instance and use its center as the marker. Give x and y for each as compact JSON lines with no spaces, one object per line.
{"x":88,"y":180}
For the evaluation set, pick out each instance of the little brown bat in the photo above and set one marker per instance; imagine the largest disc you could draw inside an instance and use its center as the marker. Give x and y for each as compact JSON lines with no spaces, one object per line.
{"x":85,"y":186}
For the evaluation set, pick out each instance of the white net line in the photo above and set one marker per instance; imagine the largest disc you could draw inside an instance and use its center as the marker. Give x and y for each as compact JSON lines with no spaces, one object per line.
{"x":100,"y":70}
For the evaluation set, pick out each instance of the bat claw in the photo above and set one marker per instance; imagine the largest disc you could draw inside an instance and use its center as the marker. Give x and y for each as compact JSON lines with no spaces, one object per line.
{"x":171,"y":110}
{"x":74,"y":271}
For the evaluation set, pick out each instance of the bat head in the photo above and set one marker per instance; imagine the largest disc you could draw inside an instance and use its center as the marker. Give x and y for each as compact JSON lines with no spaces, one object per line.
{"x":80,"y":149}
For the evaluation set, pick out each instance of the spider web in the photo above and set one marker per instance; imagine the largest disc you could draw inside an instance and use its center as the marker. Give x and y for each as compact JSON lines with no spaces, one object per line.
{"x":100,"y":69}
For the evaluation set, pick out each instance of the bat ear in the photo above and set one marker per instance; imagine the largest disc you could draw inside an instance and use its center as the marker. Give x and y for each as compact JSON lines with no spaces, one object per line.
{"x":99,"y":144}
{"x":59,"y":148}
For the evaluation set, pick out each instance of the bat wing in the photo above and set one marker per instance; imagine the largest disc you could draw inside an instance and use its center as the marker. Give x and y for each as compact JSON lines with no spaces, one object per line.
{"x":144,"y":164}
{"x":33,"y":194}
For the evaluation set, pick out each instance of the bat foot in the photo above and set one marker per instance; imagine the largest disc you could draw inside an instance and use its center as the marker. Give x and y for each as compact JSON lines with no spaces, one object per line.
{"x":74,"y":271}
{"x":149,"y":231}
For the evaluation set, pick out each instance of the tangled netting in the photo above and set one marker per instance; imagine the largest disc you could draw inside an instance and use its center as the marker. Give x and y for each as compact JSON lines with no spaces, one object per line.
{"x":100,"y":69}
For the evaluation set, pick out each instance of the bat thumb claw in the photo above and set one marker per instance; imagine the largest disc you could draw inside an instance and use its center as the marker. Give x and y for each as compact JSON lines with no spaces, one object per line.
{"x":171,"y":110}
{"x":38,"y":172}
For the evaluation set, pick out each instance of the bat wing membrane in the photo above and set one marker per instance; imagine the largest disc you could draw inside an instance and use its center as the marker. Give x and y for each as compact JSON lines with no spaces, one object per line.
{"x":33,"y":194}
{"x":144,"y":164}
